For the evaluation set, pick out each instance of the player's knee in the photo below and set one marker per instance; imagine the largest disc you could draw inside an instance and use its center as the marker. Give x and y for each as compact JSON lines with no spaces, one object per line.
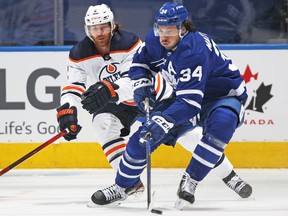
{"x":222,"y":124}
{"x":135,"y":148}
{"x":106,"y":128}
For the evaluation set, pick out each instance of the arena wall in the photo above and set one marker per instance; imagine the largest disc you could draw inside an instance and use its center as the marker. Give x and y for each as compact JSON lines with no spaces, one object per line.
{"x":30,"y":83}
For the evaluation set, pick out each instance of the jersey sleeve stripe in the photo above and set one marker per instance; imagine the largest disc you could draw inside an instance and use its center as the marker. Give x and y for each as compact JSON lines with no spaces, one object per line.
{"x":67,"y":88}
{"x":130,"y":103}
{"x":191,"y":102}
{"x":73,"y":89}
{"x":74,"y":93}
{"x":189,"y":91}
{"x":239,"y":91}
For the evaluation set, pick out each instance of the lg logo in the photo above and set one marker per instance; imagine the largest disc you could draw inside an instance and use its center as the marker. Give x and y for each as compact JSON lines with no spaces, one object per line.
{"x":31,"y":91}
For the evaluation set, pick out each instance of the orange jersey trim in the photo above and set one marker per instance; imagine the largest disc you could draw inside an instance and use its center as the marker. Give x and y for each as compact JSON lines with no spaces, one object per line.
{"x":125,"y":51}
{"x":113,"y":52}
{"x":132,"y":103}
{"x":73,"y":88}
{"x":159,"y":83}
{"x":84,"y":59}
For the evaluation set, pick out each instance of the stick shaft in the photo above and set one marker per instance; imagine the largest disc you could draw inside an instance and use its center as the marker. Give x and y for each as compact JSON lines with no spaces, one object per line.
{"x":31,"y":153}
{"x":148,"y":157}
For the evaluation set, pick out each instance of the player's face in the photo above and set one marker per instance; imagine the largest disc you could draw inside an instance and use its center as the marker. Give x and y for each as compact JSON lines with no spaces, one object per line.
{"x":169,"y":36}
{"x":101,"y":33}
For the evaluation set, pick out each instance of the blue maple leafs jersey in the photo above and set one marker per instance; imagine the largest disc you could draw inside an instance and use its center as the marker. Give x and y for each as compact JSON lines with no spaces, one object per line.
{"x":197,"y":70}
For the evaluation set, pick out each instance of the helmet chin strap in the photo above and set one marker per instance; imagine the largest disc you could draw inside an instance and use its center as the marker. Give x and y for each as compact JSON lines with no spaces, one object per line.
{"x":181,"y":37}
{"x":88,"y":33}
{"x":181,"y":34}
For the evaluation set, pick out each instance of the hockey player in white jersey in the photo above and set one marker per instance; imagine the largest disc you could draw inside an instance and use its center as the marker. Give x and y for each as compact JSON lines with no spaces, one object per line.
{"x":104,"y":56}
{"x":209,"y":92}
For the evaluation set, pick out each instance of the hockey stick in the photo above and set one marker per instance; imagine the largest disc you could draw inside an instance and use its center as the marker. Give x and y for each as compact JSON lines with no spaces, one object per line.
{"x":150,"y":197}
{"x":148,"y":156}
{"x":34,"y":151}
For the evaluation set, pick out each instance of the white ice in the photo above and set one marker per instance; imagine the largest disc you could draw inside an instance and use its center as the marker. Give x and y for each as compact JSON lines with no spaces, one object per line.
{"x":63,"y":192}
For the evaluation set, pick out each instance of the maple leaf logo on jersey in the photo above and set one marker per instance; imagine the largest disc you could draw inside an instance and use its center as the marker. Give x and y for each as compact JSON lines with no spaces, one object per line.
{"x":260,"y":96}
{"x":169,"y":75}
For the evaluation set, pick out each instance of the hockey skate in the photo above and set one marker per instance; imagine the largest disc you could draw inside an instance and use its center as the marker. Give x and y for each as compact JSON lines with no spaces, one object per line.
{"x":242,"y":188}
{"x":114,"y":194}
{"x":185,"y":192}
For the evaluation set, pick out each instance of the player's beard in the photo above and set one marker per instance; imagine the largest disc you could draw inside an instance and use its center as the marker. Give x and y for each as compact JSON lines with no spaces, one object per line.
{"x":168,"y":43}
{"x":102,"y":40}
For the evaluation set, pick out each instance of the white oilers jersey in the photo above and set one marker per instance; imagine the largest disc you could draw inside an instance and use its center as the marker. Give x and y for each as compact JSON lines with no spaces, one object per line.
{"x":85,"y":63}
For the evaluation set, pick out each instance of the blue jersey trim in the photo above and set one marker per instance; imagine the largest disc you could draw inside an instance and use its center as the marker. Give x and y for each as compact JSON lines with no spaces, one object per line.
{"x":67,"y":48}
{"x":34,"y":48}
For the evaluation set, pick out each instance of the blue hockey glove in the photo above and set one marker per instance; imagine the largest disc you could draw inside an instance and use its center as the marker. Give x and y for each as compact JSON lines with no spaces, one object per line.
{"x":158,"y":126}
{"x":143,"y":88}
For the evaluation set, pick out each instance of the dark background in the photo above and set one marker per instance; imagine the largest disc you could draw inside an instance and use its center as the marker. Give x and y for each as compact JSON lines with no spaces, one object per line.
{"x":35,"y":22}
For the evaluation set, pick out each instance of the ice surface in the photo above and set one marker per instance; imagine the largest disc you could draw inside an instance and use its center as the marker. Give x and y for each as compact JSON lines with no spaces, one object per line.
{"x":61,"y":192}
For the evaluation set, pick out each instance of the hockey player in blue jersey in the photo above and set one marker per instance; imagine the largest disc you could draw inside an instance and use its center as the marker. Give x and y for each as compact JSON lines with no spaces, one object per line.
{"x":209,"y":91}
{"x":133,"y":160}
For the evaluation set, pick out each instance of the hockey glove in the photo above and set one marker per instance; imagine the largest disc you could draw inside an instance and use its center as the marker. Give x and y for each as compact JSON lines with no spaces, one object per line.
{"x":99,"y":95}
{"x":67,"y":119}
{"x":157,"y":127}
{"x":143,"y":88}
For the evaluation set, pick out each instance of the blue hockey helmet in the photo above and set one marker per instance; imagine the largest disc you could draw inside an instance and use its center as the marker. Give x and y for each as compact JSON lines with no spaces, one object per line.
{"x":171,"y":14}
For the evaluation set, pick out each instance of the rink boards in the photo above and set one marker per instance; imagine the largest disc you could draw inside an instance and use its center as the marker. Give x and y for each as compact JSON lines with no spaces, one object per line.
{"x":90,"y":155}
{"x":30,"y":84}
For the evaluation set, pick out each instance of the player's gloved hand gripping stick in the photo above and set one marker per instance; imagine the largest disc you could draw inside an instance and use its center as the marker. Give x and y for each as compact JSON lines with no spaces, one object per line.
{"x":143,"y":90}
{"x":67,"y":119}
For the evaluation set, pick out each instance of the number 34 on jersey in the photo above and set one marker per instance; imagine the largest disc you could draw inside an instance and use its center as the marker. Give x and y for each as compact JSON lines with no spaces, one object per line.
{"x":185,"y":75}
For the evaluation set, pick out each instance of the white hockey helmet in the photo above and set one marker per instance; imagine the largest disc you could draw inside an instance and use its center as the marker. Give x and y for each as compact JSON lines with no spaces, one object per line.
{"x":96,"y":15}
{"x":99,"y":14}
